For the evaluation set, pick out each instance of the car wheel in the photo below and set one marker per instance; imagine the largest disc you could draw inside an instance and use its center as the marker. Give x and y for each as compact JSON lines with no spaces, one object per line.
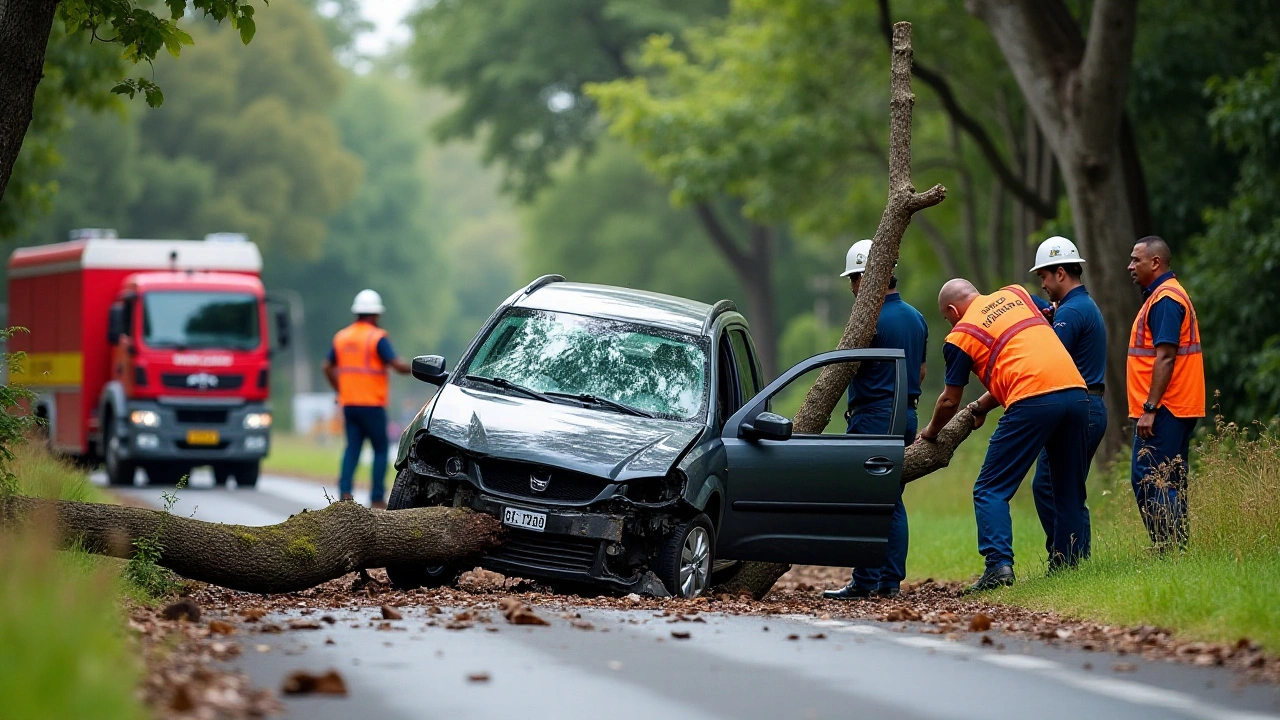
{"x":406,"y":576}
{"x":246,"y":473}
{"x":119,"y":471}
{"x":684,"y":565}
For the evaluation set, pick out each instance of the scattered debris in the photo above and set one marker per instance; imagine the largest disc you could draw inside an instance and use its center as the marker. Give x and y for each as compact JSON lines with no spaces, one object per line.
{"x":301,"y":682}
{"x":818,"y":636}
{"x":303,"y":624}
{"x":390,"y":613}
{"x":221,"y":627}
{"x":252,"y":614}
{"x":980,"y":623}
{"x":481,"y":677}
{"x":517,"y":613}
{"x":184,"y":608}
{"x":681,"y":634}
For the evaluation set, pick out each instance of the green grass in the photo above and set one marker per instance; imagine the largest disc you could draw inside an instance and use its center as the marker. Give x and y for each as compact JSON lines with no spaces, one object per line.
{"x":63,"y":644}
{"x":305,"y":457}
{"x":1224,"y":586}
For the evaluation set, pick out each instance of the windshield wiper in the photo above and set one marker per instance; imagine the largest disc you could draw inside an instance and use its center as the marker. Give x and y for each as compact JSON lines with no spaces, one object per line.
{"x":597,"y":400}
{"x":506,"y":384}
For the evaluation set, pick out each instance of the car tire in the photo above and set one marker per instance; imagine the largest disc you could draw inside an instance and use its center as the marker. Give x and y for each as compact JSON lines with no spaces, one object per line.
{"x":407,"y":576}
{"x":119,"y":471}
{"x":684,"y":564}
{"x":247,"y":473}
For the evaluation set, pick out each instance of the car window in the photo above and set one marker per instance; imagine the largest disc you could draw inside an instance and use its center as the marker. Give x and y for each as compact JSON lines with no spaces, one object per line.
{"x":727,"y":401}
{"x":748,"y":380}
{"x":646,"y":368}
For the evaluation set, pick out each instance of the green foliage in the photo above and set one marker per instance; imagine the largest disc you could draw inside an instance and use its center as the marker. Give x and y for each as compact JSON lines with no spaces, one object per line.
{"x":1235,"y":262}
{"x":143,"y":570}
{"x":519,"y":67}
{"x":16,"y":420}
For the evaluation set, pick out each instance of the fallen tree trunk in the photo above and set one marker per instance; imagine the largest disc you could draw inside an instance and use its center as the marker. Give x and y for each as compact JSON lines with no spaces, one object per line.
{"x":309,"y":548}
{"x":921,"y":458}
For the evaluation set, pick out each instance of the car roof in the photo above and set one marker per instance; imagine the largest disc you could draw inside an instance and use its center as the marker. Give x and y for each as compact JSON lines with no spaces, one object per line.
{"x":615,"y":303}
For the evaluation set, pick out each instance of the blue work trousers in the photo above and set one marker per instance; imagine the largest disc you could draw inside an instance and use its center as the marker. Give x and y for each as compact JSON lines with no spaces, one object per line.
{"x":364,"y":423}
{"x":1042,"y":485}
{"x":874,"y":420}
{"x":1158,"y":471}
{"x":1058,"y":423}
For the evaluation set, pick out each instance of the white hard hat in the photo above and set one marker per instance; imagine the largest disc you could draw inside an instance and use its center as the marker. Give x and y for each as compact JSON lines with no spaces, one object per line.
{"x":855,"y":261}
{"x":368,"y":302}
{"x":1057,"y":250}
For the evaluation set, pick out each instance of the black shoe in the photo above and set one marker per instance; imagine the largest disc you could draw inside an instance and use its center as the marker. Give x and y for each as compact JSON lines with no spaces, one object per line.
{"x":887,"y":592}
{"x":998,"y":576}
{"x":848,"y":592}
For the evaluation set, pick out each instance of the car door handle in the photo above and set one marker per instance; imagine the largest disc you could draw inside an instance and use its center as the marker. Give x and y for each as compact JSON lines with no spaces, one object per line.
{"x":878,"y":465}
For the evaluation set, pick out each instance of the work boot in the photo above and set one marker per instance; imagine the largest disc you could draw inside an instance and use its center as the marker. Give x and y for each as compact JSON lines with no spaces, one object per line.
{"x":995,"y":577}
{"x":378,"y":505}
{"x":346,"y":497}
{"x":848,"y":592}
{"x":888,"y":592}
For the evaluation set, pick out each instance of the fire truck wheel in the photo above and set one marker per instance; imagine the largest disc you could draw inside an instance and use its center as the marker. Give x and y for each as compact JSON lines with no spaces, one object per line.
{"x":119,"y":471}
{"x":246,"y":474}
{"x":221,"y":473}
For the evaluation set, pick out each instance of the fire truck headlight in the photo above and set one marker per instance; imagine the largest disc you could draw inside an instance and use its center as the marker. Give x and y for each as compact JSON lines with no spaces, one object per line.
{"x":257,"y":421}
{"x":145,"y":418}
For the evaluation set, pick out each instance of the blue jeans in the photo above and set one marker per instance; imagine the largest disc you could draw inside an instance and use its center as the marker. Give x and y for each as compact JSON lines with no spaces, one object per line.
{"x":1158,"y":472}
{"x":874,"y":420}
{"x":1042,"y":486}
{"x":1058,"y":423}
{"x":364,"y":423}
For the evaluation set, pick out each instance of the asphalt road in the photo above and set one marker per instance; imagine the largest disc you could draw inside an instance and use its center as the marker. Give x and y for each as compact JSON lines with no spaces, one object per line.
{"x":732,"y":667}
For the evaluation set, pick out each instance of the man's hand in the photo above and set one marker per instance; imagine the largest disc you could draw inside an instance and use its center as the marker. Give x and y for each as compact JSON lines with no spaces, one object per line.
{"x":1147,"y":425}
{"x":928,"y":434}
{"x":978,"y":420}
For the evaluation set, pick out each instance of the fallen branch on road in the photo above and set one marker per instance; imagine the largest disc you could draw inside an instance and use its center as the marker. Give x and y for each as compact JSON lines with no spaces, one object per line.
{"x":307,"y":549}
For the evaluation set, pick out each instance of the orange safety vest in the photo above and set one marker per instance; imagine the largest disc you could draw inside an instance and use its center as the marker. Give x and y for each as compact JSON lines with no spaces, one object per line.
{"x":1015,"y":352}
{"x":1185,"y":395}
{"x":362,"y":376}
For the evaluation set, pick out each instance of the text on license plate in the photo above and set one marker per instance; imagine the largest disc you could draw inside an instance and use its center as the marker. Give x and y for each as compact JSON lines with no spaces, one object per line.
{"x":524,"y":519}
{"x":203,"y":437}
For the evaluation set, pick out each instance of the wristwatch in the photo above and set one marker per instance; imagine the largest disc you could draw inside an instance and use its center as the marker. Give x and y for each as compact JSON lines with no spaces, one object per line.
{"x":1149,"y":407}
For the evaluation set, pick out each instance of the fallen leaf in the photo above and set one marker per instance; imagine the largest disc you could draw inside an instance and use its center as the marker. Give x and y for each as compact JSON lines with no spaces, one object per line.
{"x":252,"y":614}
{"x":478,"y":677}
{"x":220,"y":627}
{"x":980,"y":623}
{"x":182,"y":609}
{"x":1124,"y":667}
{"x":303,"y":624}
{"x":819,"y":636}
{"x":181,"y":701}
{"x":329,"y":619}
{"x":793,"y":636}
{"x":301,"y":682}
{"x":681,"y":634}
{"x":986,"y":640}
{"x":390,"y":613}
{"x":583,"y":625}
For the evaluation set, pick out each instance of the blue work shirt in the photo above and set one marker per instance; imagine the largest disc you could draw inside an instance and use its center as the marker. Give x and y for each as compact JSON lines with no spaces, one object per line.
{"x":900,"y":326}
{"x":1078,"y":324}
{"x":1165,"y":317}
{"x":385,"y":352}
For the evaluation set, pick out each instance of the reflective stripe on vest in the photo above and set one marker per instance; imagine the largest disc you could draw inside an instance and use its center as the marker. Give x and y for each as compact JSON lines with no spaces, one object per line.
{"x":362,"y":376}
{"x":1038,"y":364}
{"x":1185,"y":395}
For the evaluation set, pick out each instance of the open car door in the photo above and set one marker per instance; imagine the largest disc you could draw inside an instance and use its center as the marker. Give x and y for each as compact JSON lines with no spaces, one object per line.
{"x":811,"y":499}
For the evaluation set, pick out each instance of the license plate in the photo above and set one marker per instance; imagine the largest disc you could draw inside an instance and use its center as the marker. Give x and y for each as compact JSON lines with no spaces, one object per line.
{"x":203,"y":437}
{"x":524,"y":519}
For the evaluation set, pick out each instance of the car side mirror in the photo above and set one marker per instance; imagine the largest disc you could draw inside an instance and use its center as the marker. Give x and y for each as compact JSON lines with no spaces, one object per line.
{"x":768,"y":426}
{"x":429,"y":369}
{"x":284,"y":329}
{"x":117,"y":323}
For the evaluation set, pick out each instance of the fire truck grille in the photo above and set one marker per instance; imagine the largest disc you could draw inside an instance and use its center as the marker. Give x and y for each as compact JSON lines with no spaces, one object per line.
{"x":201,"y":381}
{"x":201,"y":416}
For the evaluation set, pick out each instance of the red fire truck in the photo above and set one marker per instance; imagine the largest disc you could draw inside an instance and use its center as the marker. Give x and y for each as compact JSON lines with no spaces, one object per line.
{"x":150,"y":354}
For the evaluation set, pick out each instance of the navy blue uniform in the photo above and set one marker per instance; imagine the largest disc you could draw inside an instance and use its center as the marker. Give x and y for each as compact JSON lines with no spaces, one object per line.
{"x":870,"y":408}
{"x":1078,"y":324}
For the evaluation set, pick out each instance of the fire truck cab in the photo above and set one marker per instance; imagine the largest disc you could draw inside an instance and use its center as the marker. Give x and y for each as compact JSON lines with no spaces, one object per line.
{"x":148,"y":354}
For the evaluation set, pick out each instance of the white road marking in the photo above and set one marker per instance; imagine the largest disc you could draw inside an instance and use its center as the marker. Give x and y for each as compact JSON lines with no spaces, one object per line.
{"x":1126,"y":690}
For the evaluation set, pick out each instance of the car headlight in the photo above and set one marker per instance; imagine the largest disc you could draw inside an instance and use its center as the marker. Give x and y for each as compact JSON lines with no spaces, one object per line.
{"x":145,"y":418}
{"x":257,"y":421}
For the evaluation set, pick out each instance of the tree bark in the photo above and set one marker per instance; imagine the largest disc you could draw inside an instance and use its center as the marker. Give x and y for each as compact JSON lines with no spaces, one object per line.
{"x":1076,"y":90}
{"x":24,"y":34}
{"x":904,"y":201}
{"x":307,"y":549}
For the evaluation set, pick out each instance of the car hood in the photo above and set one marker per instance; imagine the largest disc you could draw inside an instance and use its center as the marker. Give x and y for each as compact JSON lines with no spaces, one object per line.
{"x":594,"y":441}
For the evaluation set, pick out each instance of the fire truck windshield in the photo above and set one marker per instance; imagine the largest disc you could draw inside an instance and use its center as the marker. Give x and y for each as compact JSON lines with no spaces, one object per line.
{"x":182,"y":320}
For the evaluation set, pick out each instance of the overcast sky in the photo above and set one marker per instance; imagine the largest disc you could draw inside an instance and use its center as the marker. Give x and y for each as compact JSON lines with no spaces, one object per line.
{"x":386,"y":15}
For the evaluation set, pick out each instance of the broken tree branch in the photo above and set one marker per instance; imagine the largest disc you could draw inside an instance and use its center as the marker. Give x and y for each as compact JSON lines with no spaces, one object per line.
{"x":307,"y":549}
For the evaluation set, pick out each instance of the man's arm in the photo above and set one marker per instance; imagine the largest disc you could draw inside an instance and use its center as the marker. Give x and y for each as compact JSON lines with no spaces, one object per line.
{"x":331,"y":374}
{"x":1160,"y":377}
{"x":945,"y":409}
{"x":923,"y":370}
{"x":388,"y":356}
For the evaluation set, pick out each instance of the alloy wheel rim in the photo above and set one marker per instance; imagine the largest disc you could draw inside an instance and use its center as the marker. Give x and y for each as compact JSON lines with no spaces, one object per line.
{"x":695,"y":562}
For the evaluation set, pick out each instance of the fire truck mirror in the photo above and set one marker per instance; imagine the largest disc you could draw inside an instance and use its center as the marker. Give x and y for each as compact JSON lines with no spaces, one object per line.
{"x":117,"y":323}
{"x":283,"y":328}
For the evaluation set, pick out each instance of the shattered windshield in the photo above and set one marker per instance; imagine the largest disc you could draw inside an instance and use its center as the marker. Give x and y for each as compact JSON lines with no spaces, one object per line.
{"x":645,"y":368}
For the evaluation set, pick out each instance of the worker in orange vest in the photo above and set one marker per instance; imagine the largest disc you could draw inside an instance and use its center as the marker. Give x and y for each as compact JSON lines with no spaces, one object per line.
{"x":1006,"y":341}
{"x":357,"y":369}
{"x":1165,"y":370}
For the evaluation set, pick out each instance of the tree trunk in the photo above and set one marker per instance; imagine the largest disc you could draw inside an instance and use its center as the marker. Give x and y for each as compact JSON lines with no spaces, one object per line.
{"x":24,"y":34}
{"x":1076,"y":90}
{"x":904,"y":201}
{"x":307,"y":549}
